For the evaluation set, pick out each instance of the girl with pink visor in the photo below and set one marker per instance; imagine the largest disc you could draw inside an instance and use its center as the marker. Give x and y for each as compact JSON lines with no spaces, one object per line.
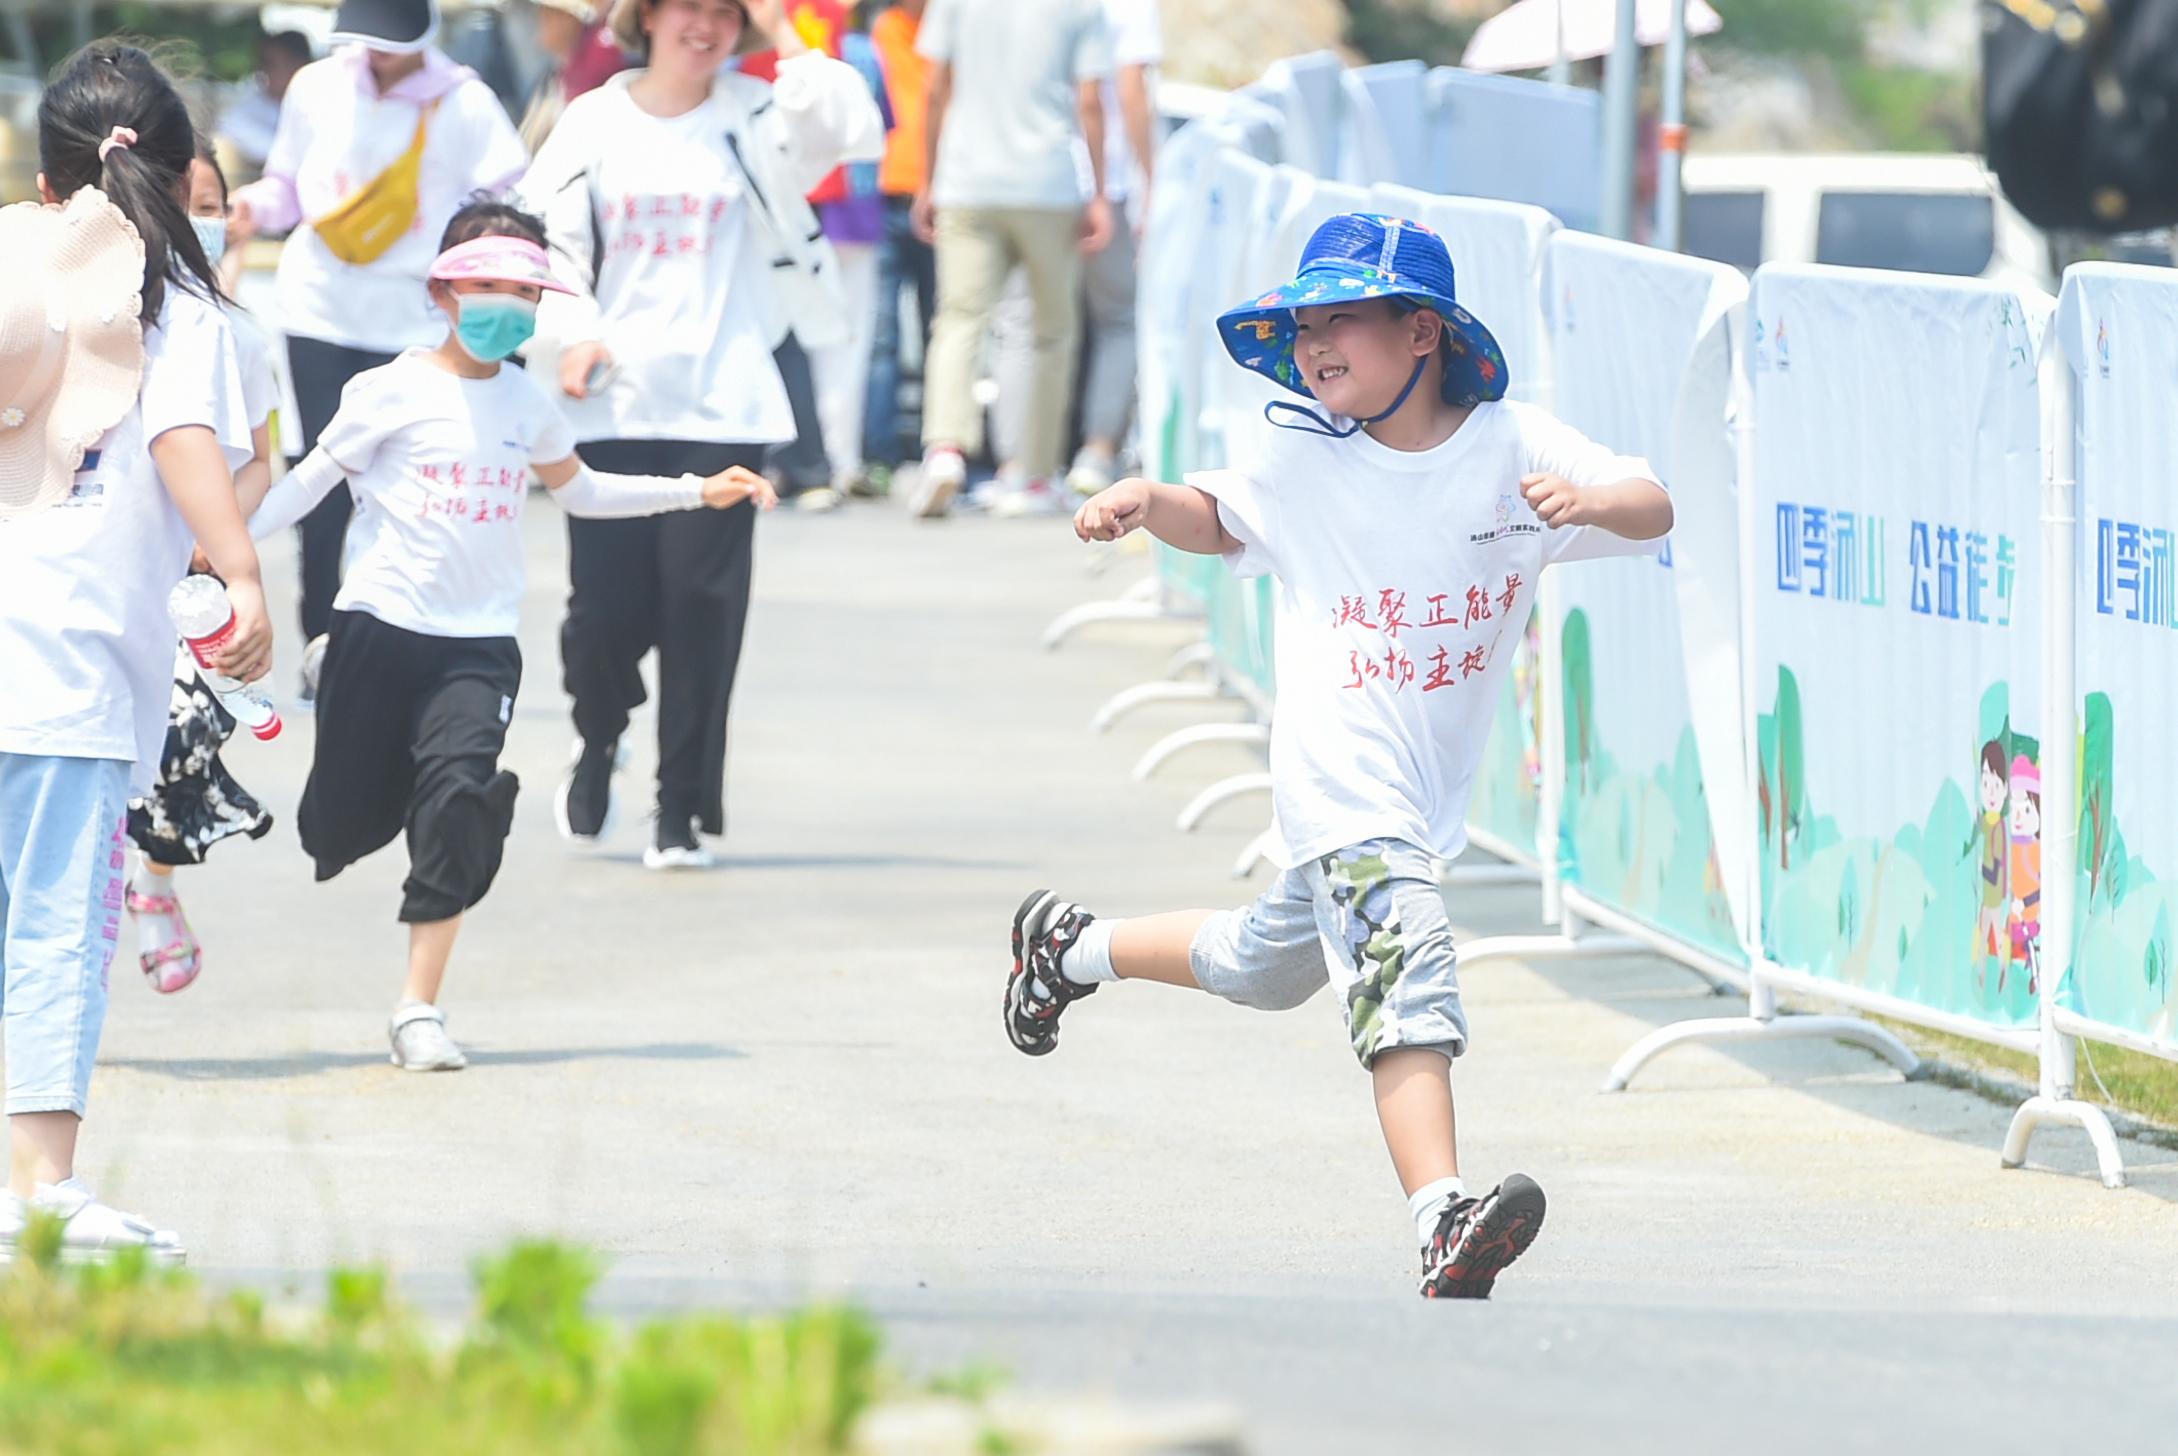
{"x":421,"y":670}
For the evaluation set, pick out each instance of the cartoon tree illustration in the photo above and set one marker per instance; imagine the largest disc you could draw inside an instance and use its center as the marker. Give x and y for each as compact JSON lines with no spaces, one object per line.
{"x":2097,"y":839}
{"x":1791,"y":786}
{"x":1580,"y":694}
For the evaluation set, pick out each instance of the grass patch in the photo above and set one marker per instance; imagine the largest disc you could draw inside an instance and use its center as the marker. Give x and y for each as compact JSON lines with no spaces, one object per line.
{"x":127,"y":1358}
{"x":2139,"y":1085}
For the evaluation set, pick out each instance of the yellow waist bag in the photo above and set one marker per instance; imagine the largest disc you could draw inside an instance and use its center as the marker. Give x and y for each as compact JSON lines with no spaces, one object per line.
{"x":376,"y":216}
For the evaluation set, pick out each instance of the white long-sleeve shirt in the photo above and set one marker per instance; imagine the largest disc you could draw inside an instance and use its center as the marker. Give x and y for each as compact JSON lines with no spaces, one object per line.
{"x":692,"y":246}
{"x":336,"y":133}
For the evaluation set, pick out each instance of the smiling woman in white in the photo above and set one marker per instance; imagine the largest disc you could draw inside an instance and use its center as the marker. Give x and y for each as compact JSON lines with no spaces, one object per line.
{"x":674,"y":200}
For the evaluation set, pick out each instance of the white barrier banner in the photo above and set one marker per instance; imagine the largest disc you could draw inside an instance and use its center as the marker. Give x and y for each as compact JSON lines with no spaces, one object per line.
{"x":1387,"y":124}
{"x":1635,"y":819}
{"x":1517,"y":141}
{"x":1895,"y":611}
{"x":1310,"y":91}
{"x":2118,"y":326}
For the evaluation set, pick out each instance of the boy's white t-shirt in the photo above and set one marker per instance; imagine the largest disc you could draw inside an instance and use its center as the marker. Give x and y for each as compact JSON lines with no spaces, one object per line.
{"x":681,"y":282}
{"x":1405,"y":580}
{"x":439,"y":467}
{"x":86,"y":649}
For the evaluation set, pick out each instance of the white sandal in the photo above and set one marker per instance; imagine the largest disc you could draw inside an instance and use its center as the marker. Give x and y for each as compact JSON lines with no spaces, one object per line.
{"x":91,"y":1232}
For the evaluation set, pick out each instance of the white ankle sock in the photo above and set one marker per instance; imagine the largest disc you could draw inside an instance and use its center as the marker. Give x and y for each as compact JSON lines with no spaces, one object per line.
{"x":1089,"y":959}
{"x":1429,"y":1204}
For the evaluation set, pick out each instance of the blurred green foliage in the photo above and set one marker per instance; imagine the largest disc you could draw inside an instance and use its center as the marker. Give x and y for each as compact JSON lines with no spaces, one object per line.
{"x":127,"y":1358}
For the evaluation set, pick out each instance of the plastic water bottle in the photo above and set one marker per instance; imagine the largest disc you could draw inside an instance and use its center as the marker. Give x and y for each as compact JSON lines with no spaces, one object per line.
{"x":205,"y":619}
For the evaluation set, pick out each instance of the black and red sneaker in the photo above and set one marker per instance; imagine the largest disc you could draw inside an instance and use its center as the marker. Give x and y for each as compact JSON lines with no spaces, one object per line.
{"x":1043,"y":928}
{"x":1477,"y":1237}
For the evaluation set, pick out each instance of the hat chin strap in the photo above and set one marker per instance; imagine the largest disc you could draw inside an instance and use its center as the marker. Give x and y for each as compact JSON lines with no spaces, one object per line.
{"x":1316,"y":424}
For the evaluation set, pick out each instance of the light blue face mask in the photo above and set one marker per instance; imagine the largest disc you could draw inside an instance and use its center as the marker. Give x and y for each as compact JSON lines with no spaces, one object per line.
{"x":494,"y":325}
{"x":212,"y":233}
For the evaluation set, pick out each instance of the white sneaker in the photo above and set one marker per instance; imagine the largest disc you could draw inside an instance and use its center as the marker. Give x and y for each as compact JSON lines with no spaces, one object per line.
{"x":668,"y":850}
{"x":92,"y":1233}
{"x":818,"y":501}
{"x":420,"y":1042}
{"x":584,"y":807}
{"x":1091,"y":473}
{"x":944,"y":471}
{"x":1037,"y":498}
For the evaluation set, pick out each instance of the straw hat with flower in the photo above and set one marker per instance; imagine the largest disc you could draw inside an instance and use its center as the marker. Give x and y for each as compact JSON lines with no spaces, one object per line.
{"x":71,"y":341}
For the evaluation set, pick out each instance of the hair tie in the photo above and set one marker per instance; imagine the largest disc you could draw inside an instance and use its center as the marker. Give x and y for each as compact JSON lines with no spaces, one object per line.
{"x":122,"y":137}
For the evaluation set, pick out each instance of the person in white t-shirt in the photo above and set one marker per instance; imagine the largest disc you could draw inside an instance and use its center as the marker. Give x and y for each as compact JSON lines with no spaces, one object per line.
{"x":1106,"y":402}
{"x":1406,"y":544}
{"x":1108,"y":283}
{"x":421,"y":666}
{"x":675,"y":200}
{"x":120,"y":424}
{"x":195,"y":802}
{"x":350,"y":292}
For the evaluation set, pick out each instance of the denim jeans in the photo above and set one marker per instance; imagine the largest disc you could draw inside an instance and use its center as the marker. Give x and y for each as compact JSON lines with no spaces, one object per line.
{"x":63,"y":868}
{"x":902,"y":259}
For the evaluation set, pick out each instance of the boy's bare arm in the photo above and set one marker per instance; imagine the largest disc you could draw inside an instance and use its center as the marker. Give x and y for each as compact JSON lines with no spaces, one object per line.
{"x":1639,"y":510}
{"x":1178,"y":515}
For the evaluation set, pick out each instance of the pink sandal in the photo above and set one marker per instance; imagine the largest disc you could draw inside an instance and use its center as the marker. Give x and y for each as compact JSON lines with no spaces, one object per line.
{"x":172,"y":967}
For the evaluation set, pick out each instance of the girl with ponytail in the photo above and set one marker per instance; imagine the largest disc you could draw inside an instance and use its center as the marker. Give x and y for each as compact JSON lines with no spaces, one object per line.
{"x":121,"y":423}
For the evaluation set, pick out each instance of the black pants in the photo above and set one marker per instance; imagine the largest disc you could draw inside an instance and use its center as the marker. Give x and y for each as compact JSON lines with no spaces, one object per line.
{"x":321,"y":371}
{"x":678,"y":583}
{"x":801,"y":464}
{"x":410,"y":729}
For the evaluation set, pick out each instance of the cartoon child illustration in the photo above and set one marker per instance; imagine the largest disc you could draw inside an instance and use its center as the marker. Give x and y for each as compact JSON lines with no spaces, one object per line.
{"x":2025,"y":871}
{"x":1989,"y":833}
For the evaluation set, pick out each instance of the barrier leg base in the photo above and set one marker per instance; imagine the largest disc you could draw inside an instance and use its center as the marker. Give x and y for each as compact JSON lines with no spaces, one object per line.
{"x":2039,"y":1111}
{"x":1201,"y":733}
{"x":1850,"y":1029}
{"x":1546,"y":947}
{"x":1126,"y":700}
{"x":1258,"y":850}
{"x":1140,"y":603}
{"x":1195,"y":657}
{"x":1218,"y":793}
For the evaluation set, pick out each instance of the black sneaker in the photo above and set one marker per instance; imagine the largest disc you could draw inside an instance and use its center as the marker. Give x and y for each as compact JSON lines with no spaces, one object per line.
{"x":1477,"y":1237}
{"x":584,"y":807}
{"x":1036,"y":993}
{"x":676,"y":845}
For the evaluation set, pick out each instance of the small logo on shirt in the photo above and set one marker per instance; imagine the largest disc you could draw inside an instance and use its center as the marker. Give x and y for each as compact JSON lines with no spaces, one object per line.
{"x":506,"y":708}
{"x":1506,"y":526}
{"x":87,"y":487}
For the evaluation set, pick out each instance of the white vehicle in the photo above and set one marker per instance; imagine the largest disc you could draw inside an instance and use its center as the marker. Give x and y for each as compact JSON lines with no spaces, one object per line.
{"x":1924,"y":213}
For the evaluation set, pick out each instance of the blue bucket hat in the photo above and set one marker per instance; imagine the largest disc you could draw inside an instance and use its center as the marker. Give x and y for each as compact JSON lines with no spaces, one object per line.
{"x":1366,"y":255}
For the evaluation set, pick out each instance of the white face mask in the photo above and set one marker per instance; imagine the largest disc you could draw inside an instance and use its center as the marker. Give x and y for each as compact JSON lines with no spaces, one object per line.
{"x":212,"y":232}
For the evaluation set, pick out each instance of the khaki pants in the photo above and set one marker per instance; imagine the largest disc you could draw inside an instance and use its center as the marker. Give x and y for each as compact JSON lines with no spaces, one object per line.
{"x":977,"y":248}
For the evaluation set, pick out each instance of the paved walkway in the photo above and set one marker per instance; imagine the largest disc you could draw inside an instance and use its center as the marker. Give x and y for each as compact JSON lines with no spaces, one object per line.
{"x":788,"y":1078}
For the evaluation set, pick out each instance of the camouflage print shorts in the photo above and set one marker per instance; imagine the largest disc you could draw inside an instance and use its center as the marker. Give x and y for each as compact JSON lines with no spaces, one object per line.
{"x":1369,"y":921}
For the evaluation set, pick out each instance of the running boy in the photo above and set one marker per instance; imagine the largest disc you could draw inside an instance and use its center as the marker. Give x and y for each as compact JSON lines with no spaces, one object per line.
{"x":1406,"y":543}
{"x":422,"y":669}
